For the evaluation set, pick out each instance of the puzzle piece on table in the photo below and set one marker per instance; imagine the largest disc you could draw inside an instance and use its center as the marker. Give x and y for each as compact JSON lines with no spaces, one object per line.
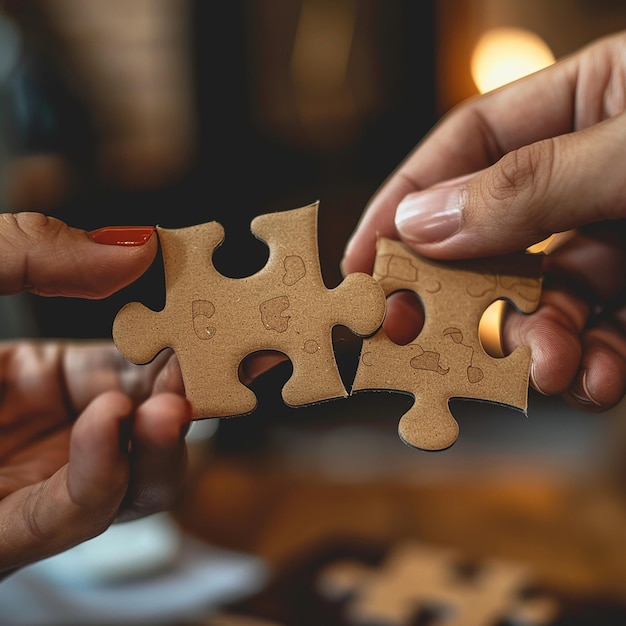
{"x":446,"y":360}
{"x":213,"y":322}
{"x":418,"y":578}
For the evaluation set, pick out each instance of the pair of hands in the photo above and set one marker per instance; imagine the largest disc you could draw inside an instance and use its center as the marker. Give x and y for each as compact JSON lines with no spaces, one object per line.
{"x":87,"y":438}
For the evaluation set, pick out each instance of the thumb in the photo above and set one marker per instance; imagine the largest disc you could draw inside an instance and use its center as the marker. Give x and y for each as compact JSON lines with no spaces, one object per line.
{"x":540,"y":189}
{"x":82,"y":498}
{"x":44,"y":255}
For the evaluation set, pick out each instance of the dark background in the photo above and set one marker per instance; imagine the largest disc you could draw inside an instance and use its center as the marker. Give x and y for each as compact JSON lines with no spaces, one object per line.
{"x":241,"y":168}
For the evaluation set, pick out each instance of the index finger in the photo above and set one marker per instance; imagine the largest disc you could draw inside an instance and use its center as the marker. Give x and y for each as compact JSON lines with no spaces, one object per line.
{"x":44,"y":255}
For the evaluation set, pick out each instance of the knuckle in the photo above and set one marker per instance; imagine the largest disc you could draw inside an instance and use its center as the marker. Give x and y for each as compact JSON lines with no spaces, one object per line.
{"x":519,"y":181}
{"x":24,"y":228}
{"x":524,"y":172}
{"x":31,"y":517}
{"x":31,"y":222}
{"x":14,"y":246}
{"x":21,"y":231}
{"x":21,"y":235}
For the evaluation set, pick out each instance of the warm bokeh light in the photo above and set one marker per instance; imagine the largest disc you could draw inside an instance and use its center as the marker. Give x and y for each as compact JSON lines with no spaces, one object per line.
{"x":489,"y":329}
{"x":506,"y":54}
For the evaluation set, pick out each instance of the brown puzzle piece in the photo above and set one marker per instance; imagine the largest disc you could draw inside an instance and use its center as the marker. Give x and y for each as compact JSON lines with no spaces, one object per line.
{"x":446,"y":360}
{"x":418,"y":577}
{"x":213,"y":322}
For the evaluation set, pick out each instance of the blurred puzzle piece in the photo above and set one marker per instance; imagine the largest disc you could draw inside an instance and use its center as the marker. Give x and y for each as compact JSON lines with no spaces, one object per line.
{"x":213,"y":322}
{"x":447,"y":360}
{"x":417,"y":579}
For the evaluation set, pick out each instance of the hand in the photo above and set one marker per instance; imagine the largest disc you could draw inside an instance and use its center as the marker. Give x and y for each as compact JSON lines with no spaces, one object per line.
{"x":86,"y":437}
{"x":506,"y":170}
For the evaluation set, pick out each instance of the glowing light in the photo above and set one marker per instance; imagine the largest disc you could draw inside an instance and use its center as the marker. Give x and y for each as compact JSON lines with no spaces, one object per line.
{"x":506,"y":54}
{"x":489,"y":329}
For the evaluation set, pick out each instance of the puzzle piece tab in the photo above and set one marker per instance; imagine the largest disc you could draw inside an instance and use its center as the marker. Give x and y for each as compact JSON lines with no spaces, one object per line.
{"x":213,"y":322}
{"x":447,"y":360}
{"x":417,"y":578}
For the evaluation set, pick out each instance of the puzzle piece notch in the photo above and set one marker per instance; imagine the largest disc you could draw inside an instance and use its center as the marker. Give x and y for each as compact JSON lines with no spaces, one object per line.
{"x":417,"y":577}
{"x":213,"y":322}
{"x":447,"y":360}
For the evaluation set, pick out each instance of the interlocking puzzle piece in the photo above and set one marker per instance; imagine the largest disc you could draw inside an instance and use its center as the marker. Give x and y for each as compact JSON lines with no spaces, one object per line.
{"x":447,"y":360}
{"x":417,"y":577}
{"x":213,"y":322}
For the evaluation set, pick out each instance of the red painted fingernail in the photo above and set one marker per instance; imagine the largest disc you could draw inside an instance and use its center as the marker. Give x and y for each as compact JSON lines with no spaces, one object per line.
{"x":122,"y":235}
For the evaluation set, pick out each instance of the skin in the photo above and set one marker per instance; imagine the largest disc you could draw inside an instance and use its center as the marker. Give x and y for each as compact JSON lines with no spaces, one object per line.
{"x":504,"y":171}
{"x":86,"y":438}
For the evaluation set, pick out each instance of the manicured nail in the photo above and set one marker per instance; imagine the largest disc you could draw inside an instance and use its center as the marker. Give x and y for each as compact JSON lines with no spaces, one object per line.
{"x":122,"y":235}
{"x":431,"y":216}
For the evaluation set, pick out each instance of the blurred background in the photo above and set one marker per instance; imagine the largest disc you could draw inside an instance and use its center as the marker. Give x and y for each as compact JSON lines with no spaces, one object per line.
{"x":178,"y":112}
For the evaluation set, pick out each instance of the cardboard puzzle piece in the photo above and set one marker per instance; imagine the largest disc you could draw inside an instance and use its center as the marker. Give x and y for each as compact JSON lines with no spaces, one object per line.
{"x":213,"y":322}
{"x":419,"y":578}
{"x":447,"y":360}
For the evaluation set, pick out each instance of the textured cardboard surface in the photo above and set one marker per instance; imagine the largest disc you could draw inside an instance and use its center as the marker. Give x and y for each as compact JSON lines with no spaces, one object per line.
{"x":446,"y":360}
{"x":213,"y":322}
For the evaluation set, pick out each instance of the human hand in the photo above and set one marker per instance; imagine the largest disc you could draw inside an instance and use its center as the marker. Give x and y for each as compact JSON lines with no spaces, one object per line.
{"x":506,"y":170}
{"x":87,"y":437}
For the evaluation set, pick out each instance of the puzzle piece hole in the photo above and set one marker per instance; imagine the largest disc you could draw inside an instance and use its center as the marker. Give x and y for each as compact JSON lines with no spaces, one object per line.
{"x":346,"y":347}
{"x":258,"y":363}
{"x":490,"y":329}
{"x":405,"y":317}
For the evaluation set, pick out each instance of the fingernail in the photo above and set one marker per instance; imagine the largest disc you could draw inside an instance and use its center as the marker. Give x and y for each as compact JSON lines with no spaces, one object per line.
{"x":122,"y":235}
{"x":533,"y":380}
{"x":580,"y":391}
{"x":431,"y":216}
